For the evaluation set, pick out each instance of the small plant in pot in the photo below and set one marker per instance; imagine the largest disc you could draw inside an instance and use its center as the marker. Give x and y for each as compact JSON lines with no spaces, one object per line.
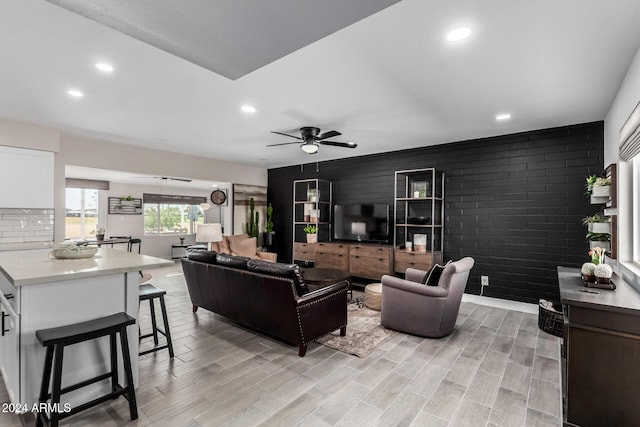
{"x":587,"y":271}
{"x":603,"y":273}
{"x":99,"y":232}
{"x":312,"y":236}
{"x":600,"y":240}
{"x":597,"y":224}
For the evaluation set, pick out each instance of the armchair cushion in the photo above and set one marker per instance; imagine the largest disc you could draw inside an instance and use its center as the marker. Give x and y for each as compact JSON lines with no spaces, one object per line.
{"x":267,"y":256}
{"x":243,"y":247}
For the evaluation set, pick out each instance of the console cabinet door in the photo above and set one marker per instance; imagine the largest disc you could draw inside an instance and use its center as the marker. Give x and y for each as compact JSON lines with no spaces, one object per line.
{"x":9,"y":349}
{"x":370,"y":262}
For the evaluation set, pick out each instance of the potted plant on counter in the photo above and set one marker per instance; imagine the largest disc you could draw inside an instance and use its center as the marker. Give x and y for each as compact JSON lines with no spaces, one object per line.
{"x":99,"y":232}
{"x":312,"y":233}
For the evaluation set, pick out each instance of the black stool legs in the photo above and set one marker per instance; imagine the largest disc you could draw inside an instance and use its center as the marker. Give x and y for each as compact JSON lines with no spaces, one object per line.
{"x":55,"y":339}
{"x":151,"y":293}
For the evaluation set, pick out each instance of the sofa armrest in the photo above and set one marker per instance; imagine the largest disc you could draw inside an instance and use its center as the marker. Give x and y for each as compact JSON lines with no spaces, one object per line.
{"x":413,"y":287}
{"x":321,"y":312}
{"x":267,"y":256}
{"x":414,"y":275}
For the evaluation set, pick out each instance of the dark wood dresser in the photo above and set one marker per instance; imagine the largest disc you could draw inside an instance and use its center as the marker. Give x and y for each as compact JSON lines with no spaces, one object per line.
{"x":600,"y":353}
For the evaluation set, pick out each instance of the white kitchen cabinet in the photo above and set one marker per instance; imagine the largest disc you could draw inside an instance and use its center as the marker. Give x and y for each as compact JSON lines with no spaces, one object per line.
{"x":26,"y":178}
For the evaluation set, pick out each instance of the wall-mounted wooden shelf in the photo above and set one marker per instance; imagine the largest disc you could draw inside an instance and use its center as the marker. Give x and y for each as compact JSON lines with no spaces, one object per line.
{"x":118,"y":206}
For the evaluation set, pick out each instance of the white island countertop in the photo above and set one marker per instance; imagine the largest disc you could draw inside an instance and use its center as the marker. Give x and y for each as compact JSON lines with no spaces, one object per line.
{"x":31,"y":267}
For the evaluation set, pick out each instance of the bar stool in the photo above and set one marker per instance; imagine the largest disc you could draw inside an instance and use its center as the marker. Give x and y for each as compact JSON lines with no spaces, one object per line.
{"x":150,"y":292}
{"x":55,"y":340}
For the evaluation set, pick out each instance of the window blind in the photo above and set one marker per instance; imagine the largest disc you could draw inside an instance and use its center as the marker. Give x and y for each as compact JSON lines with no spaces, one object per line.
{"x":93,"y":184}
{"x":172,"y":199}
{"x":630,"y":136}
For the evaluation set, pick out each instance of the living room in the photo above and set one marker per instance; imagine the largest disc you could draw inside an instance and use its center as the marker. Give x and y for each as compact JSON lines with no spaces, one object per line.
{"x":514,"y":202}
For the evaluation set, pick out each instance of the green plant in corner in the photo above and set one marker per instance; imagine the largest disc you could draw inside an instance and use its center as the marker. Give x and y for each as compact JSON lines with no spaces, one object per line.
{"x":251,"y":228}
{"x":269,"y":223}
{"x":310,"y":229}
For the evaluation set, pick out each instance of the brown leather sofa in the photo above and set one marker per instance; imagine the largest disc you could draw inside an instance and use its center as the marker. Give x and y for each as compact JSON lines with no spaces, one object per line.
{"x":267,"y":297}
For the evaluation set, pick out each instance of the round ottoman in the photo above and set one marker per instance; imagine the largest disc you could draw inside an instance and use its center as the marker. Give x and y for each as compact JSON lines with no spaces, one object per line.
{"x":373,"y":296}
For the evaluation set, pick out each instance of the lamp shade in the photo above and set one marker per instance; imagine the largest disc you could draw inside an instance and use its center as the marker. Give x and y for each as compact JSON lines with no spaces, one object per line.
{"x":209,"y":233}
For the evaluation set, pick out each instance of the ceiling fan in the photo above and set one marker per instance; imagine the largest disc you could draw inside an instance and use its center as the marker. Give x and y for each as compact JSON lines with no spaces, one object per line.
{"x":312,"y":139}
{"x":164,"y":178}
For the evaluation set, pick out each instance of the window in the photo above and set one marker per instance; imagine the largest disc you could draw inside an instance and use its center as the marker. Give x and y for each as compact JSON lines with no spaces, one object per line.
{"x":167,"y":214}
{"x":81,"y":217}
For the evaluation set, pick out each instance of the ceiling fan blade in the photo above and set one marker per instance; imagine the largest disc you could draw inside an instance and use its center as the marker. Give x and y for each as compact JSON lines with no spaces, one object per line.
{"x":329,"y":134}
{"x":286,"y":134}
{"x":177,"y":179}
{"x":283,"y":143}
{"x":339,"y":144}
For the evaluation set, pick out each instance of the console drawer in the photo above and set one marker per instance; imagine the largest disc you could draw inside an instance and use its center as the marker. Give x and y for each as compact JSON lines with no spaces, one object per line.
{"x":305,"y":251}
{"x":371,"y":251}
{"x":332,"y":248}
{"x":421,"y":261}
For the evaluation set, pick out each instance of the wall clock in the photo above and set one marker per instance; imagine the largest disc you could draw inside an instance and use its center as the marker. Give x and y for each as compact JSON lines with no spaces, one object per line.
{"x":218,"y":197}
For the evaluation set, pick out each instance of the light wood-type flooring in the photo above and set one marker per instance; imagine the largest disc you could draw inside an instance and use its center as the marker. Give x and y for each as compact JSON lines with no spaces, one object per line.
{"x":496,"y":369}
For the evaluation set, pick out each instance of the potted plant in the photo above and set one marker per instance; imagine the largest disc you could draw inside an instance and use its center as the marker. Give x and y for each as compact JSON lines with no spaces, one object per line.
{"x":597,"y":223}
{"x":600,"y":240}
{"x":267,"y":236}
{"x":99,"y":232}
{"x":312,"y":236}
{"x":127,"y":201}
{"x":603,"y":273}
{"x":598,"y":188}
{"x":587,"y":271}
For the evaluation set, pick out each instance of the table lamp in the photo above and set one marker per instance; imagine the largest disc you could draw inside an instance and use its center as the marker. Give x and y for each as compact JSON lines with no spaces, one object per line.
{"x":209,"y":233}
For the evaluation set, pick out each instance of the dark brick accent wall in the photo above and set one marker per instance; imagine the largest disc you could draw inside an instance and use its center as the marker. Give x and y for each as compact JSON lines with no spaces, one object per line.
{"x":514,"y":202}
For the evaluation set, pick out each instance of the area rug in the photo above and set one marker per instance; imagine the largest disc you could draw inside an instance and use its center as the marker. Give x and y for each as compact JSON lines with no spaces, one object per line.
{"x":364,"y":333}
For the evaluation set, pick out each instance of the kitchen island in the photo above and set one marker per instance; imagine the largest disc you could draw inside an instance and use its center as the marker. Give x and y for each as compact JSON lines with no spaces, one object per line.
{"x":38,"y":291}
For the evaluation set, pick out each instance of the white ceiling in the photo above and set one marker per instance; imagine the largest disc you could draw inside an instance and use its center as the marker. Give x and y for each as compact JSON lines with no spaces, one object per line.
{"x":387,"y":82}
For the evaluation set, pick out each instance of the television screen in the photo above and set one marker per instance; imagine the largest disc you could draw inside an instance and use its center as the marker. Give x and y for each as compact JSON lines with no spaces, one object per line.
{"x":361,"y":223}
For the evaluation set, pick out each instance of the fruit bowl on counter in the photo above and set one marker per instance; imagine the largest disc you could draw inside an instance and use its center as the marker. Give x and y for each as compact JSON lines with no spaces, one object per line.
{"x":73,"y":251}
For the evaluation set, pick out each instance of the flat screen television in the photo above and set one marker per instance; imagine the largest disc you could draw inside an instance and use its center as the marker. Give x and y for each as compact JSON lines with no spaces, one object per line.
{"x":361,"y":223}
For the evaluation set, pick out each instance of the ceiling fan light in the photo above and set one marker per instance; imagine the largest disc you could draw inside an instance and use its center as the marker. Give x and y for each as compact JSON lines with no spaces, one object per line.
{"x":309,"y":148}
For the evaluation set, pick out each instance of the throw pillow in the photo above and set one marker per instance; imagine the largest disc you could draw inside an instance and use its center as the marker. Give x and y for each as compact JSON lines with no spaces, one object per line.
{"x":433,"y":276}
{"x":232,"y":260}
{"x":244,"y":247}
{"x":223,"y":245}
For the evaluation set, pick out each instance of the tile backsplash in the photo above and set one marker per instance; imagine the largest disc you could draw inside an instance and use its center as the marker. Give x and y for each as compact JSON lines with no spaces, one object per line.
{"x":26,"y":225}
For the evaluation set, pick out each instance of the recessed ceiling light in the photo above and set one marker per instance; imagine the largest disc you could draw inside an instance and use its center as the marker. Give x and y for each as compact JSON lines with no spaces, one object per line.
{"x":104,"y":67}
{"x":214,"y":185}
{"x":505,"y":116}
{"x":249,"y":109}
{"x":459,"y":34}
{"x":75,"y":93}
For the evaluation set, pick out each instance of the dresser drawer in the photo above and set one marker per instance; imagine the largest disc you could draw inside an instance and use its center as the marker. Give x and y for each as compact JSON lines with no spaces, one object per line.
{"x":371,"y":268}
{"x":383,"y":252}
{"x":331,"y":260}
{"x":332,"y":248}
{"x":421,"y":261}
{"x":304,"y":251}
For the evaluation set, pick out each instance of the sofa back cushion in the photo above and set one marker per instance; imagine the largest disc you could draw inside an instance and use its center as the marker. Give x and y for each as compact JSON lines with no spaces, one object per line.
{"x":232,"y":261}
{"x":288,"y":271}
{"x":208,"y":257}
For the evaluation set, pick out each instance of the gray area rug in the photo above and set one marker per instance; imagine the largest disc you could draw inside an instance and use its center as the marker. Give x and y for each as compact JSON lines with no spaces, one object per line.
{"x":364,"y":333}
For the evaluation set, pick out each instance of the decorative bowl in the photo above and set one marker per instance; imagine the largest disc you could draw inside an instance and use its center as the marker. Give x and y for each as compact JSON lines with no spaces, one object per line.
{"x":73,"y":252}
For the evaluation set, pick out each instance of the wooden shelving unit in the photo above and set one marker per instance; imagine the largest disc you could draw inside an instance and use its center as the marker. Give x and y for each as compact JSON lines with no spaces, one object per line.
{"x":118,"y":206}
{"x":419,"y":218}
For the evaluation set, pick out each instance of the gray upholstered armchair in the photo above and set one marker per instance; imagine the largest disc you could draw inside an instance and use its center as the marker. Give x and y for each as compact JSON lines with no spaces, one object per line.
{"x":429,"y":311}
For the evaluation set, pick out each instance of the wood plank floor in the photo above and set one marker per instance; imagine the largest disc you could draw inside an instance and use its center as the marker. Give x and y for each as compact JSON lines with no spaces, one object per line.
{"x":496,"y":369}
